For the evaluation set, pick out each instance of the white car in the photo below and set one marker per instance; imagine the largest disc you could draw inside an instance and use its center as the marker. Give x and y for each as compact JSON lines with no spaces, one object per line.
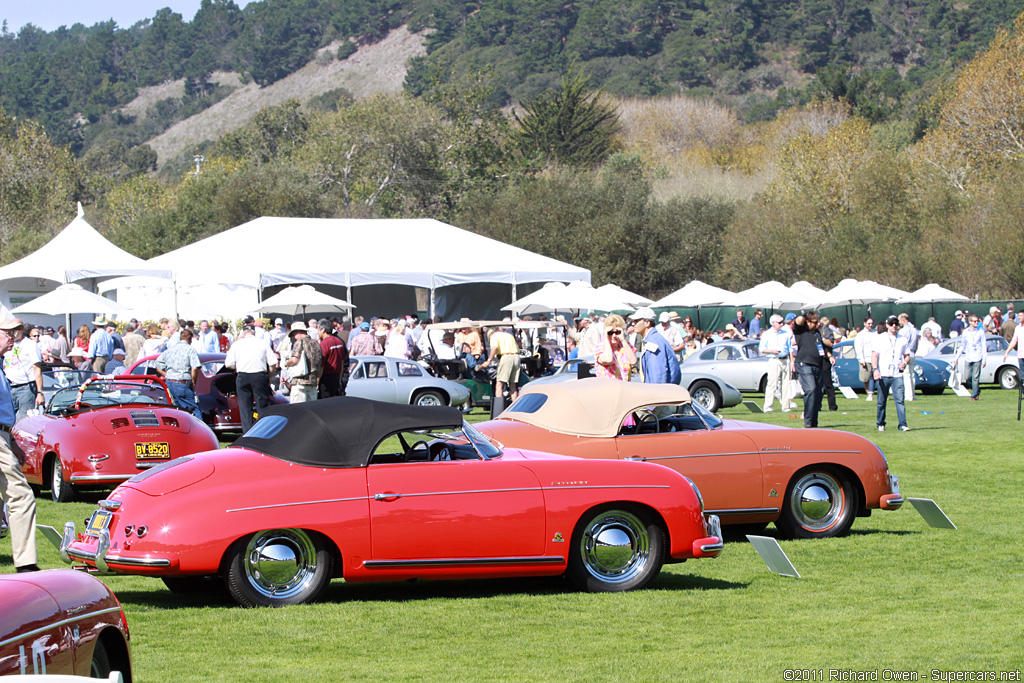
{"x":1005,"y":373}
{"x":397,"y":380}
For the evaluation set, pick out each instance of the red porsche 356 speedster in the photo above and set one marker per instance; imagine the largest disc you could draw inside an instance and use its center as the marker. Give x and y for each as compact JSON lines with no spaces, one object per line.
{"x":373,"y":491}
{"x":106,"y":431}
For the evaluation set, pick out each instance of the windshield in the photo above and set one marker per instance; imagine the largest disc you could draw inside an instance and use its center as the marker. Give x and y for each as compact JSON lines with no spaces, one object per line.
{"x":433,"y":445}
{"x":707,"y":417}
{"x":101,"y":394}
{"x":65,"y":378}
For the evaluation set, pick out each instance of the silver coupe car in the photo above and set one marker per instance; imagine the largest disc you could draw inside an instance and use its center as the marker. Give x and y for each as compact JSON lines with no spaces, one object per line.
{"x":397,"y":380}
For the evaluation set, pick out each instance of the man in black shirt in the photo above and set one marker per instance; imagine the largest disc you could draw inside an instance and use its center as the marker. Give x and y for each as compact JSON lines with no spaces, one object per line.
{"x":811,"y":366}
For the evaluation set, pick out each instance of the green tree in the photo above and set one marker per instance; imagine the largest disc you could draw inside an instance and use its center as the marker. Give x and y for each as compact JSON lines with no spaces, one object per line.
{"x":570,"y":125}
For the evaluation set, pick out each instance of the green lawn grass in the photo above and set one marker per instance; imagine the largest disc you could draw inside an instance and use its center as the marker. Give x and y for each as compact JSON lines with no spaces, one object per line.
{"x":893,"y":595}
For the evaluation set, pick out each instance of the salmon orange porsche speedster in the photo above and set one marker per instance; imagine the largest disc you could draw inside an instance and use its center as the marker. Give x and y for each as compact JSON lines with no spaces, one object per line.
{"x":374,"y":491}
{"x":811,"y":483}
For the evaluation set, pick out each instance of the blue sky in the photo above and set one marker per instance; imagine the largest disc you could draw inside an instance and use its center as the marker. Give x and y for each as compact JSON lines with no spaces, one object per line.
{"x":50,"y":14}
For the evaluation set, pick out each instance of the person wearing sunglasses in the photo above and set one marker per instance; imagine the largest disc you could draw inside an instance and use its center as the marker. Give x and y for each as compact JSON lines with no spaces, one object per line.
{"x":889,"y":358}
{"x":972,"y":348}
{"x":614,"y":356}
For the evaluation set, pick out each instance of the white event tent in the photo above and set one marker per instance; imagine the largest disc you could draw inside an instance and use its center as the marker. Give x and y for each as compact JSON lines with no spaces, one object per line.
{"x":78,"y":253}
{"x":456,"y":271}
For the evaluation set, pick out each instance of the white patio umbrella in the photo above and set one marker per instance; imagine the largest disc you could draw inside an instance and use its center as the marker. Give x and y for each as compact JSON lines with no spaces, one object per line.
{"x":697,"y":295}
{"x":931,"y":293}
{"x":772,"y":294}
{"x":68,"y":299}
{"x":892,"y":292}
{"x":576,"y":296}
{"x":302,"y":299}
{"x":805,"y":287}
{"x":694,"y":295}
{"x":625,"y":295}
{"x":850,"y":293}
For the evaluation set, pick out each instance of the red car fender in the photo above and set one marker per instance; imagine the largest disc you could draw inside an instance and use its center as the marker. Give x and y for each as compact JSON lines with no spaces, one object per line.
{"x":665,"y":493}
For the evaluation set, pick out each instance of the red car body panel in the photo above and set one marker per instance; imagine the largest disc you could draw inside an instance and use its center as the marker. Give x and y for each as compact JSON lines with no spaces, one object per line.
{"x":51,"y":621}
{"x":521,"y":505}
{"x":80,"y":440}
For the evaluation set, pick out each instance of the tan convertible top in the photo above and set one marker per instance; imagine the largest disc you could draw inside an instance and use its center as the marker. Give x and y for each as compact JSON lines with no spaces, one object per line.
{"x":593,"y":406}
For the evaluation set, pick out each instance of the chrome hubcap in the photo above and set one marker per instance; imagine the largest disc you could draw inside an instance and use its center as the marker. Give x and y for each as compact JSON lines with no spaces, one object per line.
{"x":817,"y":501}
{"x":615,"y":546}
{"x":280,"y":563}
{"x":428,"y":400}
{"x":58,"y":478}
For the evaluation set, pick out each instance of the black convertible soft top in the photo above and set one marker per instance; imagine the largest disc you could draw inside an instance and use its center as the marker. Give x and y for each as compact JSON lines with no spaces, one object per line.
{"x":338,"y":432}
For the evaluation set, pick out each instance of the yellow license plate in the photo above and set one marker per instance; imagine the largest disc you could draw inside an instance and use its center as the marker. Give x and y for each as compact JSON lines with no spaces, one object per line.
{"x":98,"y":522}
{"x":150,"y":451}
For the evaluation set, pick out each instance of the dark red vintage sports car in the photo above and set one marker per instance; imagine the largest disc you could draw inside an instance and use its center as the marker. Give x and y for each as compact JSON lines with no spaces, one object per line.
{"x":373,"y":491}
{"x":104,"y":432}
{"x":810,"y":483}
{"x":215,"y":391}
{"x":61,"y":621}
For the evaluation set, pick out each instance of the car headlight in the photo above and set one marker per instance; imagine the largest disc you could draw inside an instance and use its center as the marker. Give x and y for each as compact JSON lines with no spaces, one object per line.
{"x":919,"y":371}
{"x":696,"y":491}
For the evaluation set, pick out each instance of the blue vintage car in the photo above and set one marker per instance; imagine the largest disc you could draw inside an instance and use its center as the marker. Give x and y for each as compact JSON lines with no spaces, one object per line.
{"x":931,"y":375}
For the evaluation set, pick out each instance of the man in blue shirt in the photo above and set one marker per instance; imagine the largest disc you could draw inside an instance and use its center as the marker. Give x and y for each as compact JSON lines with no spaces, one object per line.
{"x":658,"y":364}
{"x":101,"y":346}
{"x":14,"y":488}
{"x":972,"y":348}
{"x":777,"y":345}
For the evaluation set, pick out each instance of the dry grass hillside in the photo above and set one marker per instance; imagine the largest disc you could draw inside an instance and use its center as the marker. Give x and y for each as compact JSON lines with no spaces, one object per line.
{"x":377,"y":68}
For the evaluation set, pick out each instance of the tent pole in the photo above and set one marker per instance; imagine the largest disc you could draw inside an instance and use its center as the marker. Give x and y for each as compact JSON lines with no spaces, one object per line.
{"x":433,"y":290}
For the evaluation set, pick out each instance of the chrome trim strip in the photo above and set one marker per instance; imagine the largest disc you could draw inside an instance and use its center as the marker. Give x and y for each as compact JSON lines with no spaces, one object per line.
{"x":305,"y":502}
{"x":458,"y":562}
{"x":100,"y":477}
{"x":742,"y":511}
{"x":117,"y":559}
{"x":709,"y":547}
{"x":532,"y":488}
{"x":714,"y":455}
{"x":58,"y":624}
{"x":396,"y":495}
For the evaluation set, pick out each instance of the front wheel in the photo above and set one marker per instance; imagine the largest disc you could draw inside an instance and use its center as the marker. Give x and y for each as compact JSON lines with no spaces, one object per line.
{"x":614,"y":549}
{"x":820,"y":503}
{"x":1009,"y":378}
{"x":99,"y":667}
{"x":706,"y":394}
{"x":278,"y":567}
{"x":429,"y":398}
{"x":60,"y":490}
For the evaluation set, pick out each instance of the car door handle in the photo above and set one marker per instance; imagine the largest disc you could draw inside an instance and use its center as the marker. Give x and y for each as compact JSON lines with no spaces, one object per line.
{"x":387,"y":496}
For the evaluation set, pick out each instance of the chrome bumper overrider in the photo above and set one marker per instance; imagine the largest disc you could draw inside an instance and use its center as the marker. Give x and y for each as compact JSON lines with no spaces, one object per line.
{"x":102,"y":555}
{"x":714,"y":526}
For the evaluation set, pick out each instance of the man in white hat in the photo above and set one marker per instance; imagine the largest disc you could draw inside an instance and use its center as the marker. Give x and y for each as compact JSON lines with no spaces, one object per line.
{"x":14,"y":488}
{"x":304,"y":363}
{"x":671,"y":334}
{"x":23,"y":367}
{"x":657,"y":361}
{"x":101,"y":345}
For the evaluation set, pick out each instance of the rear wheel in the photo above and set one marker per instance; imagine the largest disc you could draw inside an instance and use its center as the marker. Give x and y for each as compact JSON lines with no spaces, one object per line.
{"x":60,"y":490}
{"x":820,"y":503}
{"x":278,"y":567}
{"x":1009,"y":378}
{"x":429,"y":398}
{"x":706,"y":394}
{"x":615,"y":549}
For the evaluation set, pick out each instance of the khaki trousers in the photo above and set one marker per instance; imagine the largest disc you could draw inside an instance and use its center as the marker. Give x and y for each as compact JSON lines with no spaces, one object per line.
{"x":777,"y":368}
{"x":15,"y":491}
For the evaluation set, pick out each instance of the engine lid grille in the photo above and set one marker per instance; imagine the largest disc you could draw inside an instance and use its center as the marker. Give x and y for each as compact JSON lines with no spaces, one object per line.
{"x":144,"y":418}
